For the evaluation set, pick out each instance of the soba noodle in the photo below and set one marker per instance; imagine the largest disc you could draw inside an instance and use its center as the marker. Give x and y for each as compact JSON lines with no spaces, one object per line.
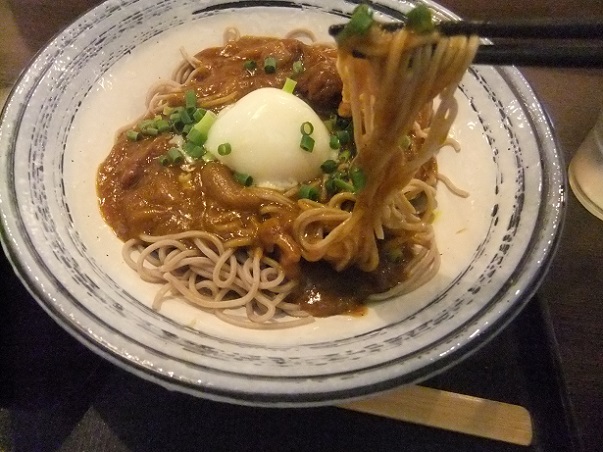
{"x":385,"y":91}
{"x":388,"y":93}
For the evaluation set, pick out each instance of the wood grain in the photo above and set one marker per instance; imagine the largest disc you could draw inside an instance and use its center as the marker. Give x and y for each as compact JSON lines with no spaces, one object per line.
{"x":451,"y":411}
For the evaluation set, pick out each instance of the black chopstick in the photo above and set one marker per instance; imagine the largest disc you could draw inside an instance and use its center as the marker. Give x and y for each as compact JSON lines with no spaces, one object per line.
{"x":526,"y":28}
{"x":551,"y":52}
{"x":570,"y":56}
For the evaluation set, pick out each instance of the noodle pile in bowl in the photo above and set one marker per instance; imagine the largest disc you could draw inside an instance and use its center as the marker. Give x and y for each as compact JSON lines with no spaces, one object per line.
{"x":227,"y":245}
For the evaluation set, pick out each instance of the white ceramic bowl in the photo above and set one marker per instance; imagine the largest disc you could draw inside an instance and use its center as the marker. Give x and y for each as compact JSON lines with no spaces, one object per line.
{"x":59,"y":123}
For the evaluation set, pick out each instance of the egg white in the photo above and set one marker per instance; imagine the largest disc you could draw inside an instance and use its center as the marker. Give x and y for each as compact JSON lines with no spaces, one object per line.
{"x":263,"y":130}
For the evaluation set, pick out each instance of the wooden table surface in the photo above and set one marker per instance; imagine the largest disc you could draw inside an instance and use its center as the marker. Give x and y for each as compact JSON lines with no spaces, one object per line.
{"x":572,"y":290}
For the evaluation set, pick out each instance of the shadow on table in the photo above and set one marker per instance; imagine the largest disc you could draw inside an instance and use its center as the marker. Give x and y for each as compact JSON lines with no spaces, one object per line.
{"x":39,"y":20}
{"x":47,"y":379}
{"x":140,"y":416}
{"x":62,"y":396}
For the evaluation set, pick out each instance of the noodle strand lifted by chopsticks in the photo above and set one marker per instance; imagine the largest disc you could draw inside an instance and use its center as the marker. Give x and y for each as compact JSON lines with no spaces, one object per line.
{"x":385,"y":90}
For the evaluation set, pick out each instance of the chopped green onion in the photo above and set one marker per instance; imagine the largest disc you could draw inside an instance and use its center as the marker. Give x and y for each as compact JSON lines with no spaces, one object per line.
{"x":298,"y":67}
{"x":341,"y":122}
{"x":224,"y":149}
{"x":167,"y":110}
{"x":198,"y":134}
{"x":308,"y":192}
{"x":206,"y":121}
{"x":358,"y":179}
{"x":330,"y":186}
{"x":307,"y":143}
{"x":195,"y":137}
{"x":243,"y":179}
{"x":405,"y":142}
{"x":132,"y":135}
{"x":175,"y":155}
{"x":146,"y":123}
{"x":151,"y":131}
{"x":270,"y":65}
{"x":419,"y":19}
{"x":289,"y":85}
{"x":197,"y":152}
{"x":187,"y":128}
{"x":329,"y":124}
{"x":162,"y":125}
{"x":159,"y":124}
{"x":395,"y":255}
{"x":328,"y":166}
{"x":343,"y":185}
{"x":334,"y":142}
{"x":193,"y":151}
{"x":343,"y":136}
{"x":250,"y":65}
{"x":209,"y":157}
{"x":359,"y":24}
{"x":147,"y":127}
{"x":361,"y":20}
{"x":188,"y":147}
{"x":190,"y":99}
{"x":345,"y":156}
{"x":198,"y":114}
{"x":306,"y":128}
{"x":185,"y":118}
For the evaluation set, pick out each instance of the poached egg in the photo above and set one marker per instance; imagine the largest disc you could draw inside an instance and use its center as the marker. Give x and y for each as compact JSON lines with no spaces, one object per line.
{"x":263,"y":131}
